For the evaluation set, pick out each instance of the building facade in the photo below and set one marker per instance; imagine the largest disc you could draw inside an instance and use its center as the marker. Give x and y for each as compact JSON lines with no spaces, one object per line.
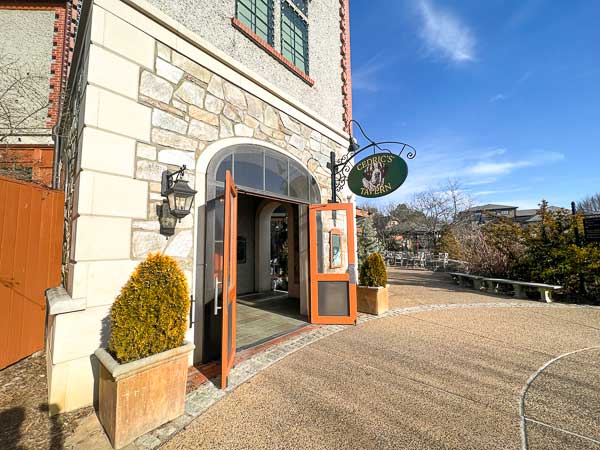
{"x":488,"y":212}
{"x":35,"y":51}
{"x":259,"y":88}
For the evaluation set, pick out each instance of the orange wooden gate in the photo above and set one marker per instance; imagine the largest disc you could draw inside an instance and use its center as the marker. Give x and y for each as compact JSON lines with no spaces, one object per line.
{"x":31,"y":235}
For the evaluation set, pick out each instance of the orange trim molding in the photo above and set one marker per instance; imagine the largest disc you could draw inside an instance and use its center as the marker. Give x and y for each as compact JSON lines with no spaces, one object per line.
{"x":271,"y":51}
{"x":346,"y":63}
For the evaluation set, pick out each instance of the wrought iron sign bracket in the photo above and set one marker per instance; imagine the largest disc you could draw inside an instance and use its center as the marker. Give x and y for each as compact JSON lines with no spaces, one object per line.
{"x":340,"y":168}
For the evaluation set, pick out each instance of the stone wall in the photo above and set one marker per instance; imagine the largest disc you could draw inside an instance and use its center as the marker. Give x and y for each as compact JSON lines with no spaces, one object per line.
{"x":191,"y":108}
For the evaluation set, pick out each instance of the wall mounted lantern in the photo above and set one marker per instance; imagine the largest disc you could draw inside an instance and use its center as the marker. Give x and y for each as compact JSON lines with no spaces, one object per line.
{"x":179,"y":197}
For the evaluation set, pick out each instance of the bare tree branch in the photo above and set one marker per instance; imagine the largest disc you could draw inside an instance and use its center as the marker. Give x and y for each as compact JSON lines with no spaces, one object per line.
{"x":23,"y":99}
{"x":590,"y":204}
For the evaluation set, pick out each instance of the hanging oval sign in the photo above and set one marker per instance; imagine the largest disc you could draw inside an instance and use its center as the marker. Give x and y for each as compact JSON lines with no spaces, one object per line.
{"x":378,"y":175}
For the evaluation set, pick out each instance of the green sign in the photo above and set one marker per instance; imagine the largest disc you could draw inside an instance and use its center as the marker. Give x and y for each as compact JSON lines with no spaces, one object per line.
{"x":378,"y":175}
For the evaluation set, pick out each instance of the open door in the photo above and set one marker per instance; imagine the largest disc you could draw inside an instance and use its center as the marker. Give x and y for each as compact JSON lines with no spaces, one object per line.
{"x":332,"y":264}
{"x":229,"y":279}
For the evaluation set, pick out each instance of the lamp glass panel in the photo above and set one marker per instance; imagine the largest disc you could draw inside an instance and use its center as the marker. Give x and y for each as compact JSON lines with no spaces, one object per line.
{"x":171,"y":198}
{"x":180,"y":202}
{"x":188,"y":202}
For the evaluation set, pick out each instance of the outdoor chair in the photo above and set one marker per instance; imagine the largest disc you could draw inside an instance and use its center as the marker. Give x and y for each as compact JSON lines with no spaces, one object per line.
{"x":399,"y":258}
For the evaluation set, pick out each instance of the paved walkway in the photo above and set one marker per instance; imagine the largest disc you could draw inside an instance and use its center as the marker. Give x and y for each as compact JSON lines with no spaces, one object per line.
{"x":427,"y":377}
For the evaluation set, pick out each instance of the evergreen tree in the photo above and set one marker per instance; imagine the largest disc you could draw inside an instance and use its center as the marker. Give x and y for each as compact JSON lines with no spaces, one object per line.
{"x":368,"y":242}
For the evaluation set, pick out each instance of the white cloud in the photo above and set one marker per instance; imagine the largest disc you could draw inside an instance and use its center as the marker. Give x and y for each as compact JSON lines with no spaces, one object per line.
{"x":497,"y":191}
{"x":480,"y":171}
{"x":481,"y":182}
{"x":488,"y":168}
{"x":505,"y":96}
{"x":492,"y":153}
{"x":498,"y":98}
{"x":497,"y":168}
{"x":365,"y":77}
{"x":445,"y":34}
{"x":526,"y":76}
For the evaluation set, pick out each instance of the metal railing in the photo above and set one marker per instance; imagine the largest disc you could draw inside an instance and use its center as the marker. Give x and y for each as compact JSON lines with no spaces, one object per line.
{"x":421,"y":260}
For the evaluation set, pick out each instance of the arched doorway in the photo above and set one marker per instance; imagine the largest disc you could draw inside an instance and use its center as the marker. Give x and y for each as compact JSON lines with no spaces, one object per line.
{"x":271,"y":184}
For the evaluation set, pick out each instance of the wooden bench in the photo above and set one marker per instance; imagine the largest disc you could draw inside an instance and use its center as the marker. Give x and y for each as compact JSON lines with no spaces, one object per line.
{"x":460,"y":278}
{"x":520,"y":288}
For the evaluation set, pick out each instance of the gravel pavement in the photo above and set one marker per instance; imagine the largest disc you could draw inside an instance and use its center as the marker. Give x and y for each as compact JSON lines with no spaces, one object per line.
{"x":445,"y":379}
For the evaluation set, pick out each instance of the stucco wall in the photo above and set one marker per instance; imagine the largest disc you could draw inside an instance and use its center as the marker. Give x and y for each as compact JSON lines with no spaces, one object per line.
{"x":26,"y":40}
{"x":211,"y":19}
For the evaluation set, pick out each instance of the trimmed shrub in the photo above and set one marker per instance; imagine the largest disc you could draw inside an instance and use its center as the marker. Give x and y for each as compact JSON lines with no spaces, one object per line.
{"x":373,"y":272}
{"x":150,"y":314}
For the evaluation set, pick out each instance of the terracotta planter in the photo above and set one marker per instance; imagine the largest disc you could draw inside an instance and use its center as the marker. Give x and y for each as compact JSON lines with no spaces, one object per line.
{"x":139,"y":396}
{"x":372,"y":300}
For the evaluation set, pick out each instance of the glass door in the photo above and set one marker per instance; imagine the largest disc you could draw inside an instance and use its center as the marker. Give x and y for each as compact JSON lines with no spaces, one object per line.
{"x":332,"y":264}
{"x":229,"y":279}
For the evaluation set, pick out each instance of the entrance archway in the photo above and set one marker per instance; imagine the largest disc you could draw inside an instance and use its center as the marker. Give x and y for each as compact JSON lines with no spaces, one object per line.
{"x":275,"y":178}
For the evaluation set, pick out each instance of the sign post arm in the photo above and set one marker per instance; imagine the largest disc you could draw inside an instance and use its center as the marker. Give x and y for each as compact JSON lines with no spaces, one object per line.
{"x":332,"y":162}
{"x":340,"y":168}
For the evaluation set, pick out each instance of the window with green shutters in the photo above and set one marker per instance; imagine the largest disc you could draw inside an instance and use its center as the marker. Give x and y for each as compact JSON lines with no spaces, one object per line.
{"x":258,"y":16}
{"x":294,"y":33}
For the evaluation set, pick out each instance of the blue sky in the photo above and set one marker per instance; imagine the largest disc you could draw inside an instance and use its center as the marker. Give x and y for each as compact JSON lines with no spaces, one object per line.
{"x":503,"y":95}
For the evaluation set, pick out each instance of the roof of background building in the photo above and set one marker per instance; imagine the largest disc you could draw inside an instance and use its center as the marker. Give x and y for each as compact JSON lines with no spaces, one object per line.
{"x":526,"y":212}
{"x":362,"y":213}
{"x":491,"y":207}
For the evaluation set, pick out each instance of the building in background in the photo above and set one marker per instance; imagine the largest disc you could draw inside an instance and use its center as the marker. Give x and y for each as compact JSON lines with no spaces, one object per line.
{"x":259,"y":88}
{"x":485,"y":213}
{"x":530,"y":216}
{"x":490,"y":212}
{"x":35,"y":53}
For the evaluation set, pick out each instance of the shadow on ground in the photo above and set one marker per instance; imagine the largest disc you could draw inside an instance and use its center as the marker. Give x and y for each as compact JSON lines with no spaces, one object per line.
{"x":25,"y":422}
{"x":12,"y":434}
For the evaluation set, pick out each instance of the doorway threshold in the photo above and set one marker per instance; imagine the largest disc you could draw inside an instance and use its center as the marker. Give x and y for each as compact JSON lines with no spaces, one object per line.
{"x":272,"y":337}
{"x":199,"y":374}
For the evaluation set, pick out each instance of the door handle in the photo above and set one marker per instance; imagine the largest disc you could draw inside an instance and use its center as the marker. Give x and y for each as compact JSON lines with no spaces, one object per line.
{"x":217,"y":307}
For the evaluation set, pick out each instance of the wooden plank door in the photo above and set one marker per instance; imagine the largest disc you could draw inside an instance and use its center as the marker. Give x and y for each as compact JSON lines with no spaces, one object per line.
{"x":31,"y":235}
{"x":332,"y":264}
{"x":229,"y":279}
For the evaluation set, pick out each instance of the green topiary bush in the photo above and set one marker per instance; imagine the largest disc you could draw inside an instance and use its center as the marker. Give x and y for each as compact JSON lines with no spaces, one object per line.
{"x":373,"y":272}
{"x":150,"y":314}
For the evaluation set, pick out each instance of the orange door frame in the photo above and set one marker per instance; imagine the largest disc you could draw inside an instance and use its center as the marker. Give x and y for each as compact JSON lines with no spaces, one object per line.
{"x":316,"y":277}
{"x":229,"y":279}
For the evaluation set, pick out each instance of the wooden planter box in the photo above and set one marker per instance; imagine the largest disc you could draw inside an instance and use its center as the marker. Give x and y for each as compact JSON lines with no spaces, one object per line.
{"x":372,"y":300}
{"x":139,"y":396}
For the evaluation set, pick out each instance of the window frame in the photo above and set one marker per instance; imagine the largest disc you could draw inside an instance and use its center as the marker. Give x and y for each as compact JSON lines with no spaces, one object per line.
{"x":270,"y":38}
{"x":302,"y":17}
